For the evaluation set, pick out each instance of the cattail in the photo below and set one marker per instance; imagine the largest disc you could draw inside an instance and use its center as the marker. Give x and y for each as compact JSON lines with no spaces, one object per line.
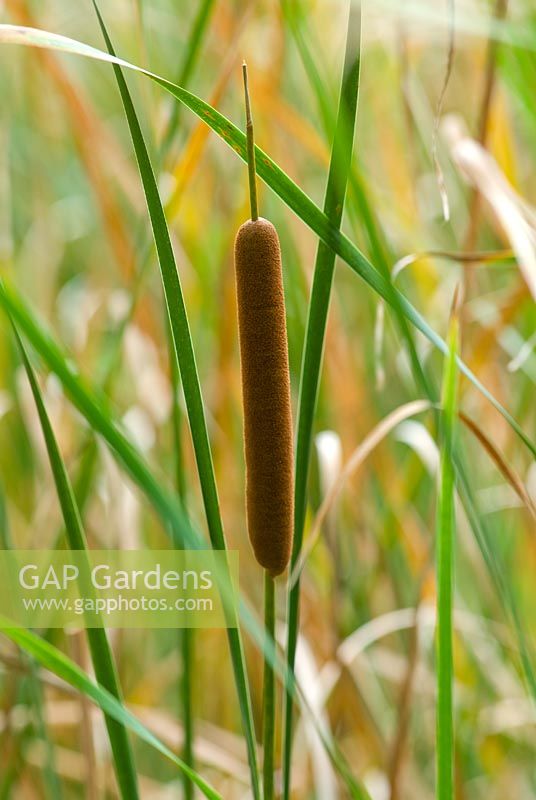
{"x":265,"y":382}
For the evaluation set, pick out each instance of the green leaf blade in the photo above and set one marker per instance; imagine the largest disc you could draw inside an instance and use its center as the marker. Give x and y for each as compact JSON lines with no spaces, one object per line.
{"x":340,"y":165}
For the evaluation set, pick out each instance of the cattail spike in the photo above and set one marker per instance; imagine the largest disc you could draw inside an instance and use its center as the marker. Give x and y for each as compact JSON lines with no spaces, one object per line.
{"x":250,"y":149}
{"x":266,"y":393}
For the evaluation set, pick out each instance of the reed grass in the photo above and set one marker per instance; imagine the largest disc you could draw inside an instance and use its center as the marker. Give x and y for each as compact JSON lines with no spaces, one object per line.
{"x":376,"y":239}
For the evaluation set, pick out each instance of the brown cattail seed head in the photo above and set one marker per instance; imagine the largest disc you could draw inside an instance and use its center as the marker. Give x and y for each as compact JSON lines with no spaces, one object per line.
{"x":266,"y":393}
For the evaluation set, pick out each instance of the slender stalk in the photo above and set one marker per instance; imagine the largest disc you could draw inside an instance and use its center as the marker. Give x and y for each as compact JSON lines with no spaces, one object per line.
{"x":250,"y":149}
{"x":268,"y":695}
{"x":187,"y":646}
{"x":445,"y":569}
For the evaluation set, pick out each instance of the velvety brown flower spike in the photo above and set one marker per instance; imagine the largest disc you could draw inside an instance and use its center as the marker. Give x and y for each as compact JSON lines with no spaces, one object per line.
{"x":265,"y":381}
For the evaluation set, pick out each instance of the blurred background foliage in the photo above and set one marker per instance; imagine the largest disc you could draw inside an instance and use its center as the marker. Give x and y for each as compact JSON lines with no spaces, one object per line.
{"x":75,"y":239}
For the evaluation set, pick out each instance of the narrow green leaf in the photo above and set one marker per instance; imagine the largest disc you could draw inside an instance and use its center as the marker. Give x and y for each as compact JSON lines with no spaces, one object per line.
{"x":176,"y":312}
{"x":340,"y":164}
{"x":268,"y":692}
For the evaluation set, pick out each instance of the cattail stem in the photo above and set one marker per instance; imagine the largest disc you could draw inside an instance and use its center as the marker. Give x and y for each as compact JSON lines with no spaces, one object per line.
{"x":268,"y":719}
{"x":186,"y":647}
{"x":250,"y":149}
